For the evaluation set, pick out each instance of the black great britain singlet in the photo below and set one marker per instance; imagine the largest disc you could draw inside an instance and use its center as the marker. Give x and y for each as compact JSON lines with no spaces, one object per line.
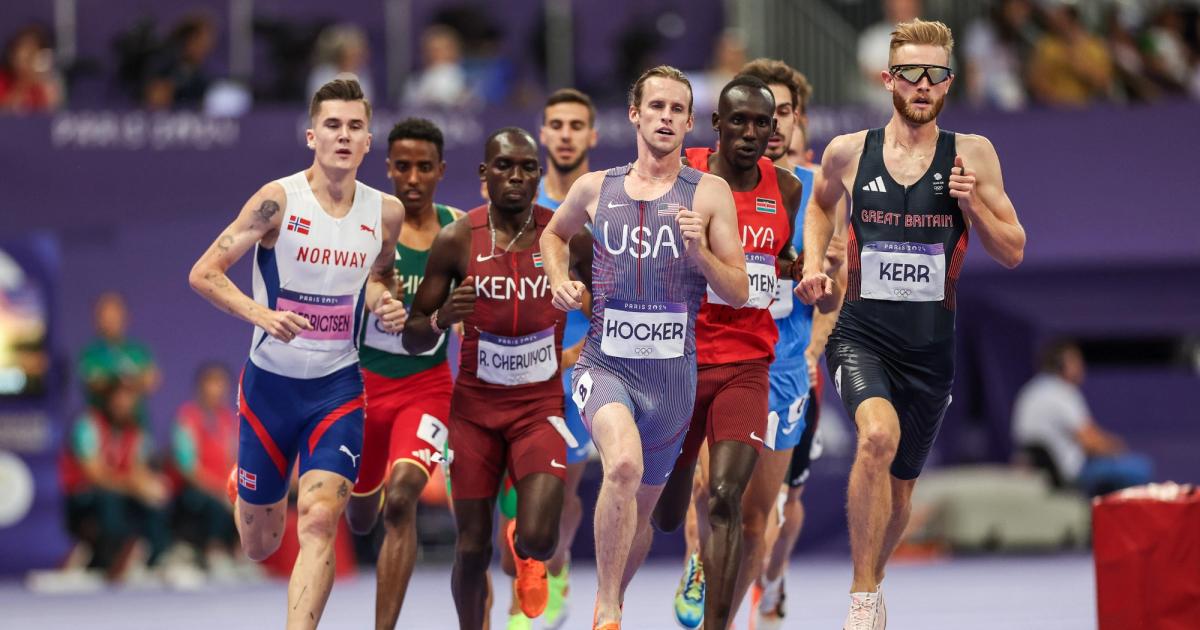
{"x":905,"y":251}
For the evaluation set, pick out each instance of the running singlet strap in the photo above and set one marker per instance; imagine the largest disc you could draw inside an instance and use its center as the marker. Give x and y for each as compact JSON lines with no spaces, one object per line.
{"x":318,"y":269}
{"x":905,"y":251}
{"x":383,"y":353}
{"x":513,"y":338}
{"x":725,"y":334}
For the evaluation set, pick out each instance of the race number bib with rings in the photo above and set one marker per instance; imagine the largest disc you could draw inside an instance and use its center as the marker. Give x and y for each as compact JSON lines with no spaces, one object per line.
{"x":517,"y":360}
{"x":644,"y":330}
{"x":903,"y":272}
{"x":376,"y":337}
{"x":763,"y":280}
{"x":331,"y":317}
{"x":782,"y":306}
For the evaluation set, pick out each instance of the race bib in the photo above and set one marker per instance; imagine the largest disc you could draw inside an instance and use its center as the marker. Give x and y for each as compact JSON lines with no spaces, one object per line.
{"x":331,"y":316}
{"x":782,"y":306}
{"x":644,"y":330}
{"x":376,"y":337}
{"x":763,"y":281}
{"x":903,"y":272}
{"x":517,"y":360}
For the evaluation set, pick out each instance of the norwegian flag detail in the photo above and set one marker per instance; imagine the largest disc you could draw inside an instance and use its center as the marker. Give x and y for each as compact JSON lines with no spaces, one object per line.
{"x":247,"y":479}
{"x":298,"y":225}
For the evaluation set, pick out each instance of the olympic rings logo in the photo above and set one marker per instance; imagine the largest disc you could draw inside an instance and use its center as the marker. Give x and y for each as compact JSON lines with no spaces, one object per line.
{"x":902,"y":292}
{"x":643,"y":351}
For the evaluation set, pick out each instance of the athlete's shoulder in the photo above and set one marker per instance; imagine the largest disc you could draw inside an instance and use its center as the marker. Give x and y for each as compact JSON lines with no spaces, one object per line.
{"x":391,"y":208}
{"x":455,"y":212}
{"x":847,"y":146}
{"x":786,"y":178}
{"x":970,"y":144}
{"x":708,"y":181}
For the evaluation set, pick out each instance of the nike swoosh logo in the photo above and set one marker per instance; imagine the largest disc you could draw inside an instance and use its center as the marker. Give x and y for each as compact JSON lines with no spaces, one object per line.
{"x":554,"y":464}
{"x":791,"y":428}
{"x":482,"y":258}
{"x":754,"y":436}
{"x":616,"y":205}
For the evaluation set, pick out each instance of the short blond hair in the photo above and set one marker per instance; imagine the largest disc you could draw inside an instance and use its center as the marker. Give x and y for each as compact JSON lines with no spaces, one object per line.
{"x":665,"y":72}
{"x":919,"y":31}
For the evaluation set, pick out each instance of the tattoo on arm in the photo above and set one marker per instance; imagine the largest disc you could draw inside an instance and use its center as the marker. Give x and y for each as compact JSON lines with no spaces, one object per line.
{"x":315,"y":487}
{"x":266,"y":210}
{"x":218,"y":279}
{"x":224,"y":243}
{"x":343,"y":490}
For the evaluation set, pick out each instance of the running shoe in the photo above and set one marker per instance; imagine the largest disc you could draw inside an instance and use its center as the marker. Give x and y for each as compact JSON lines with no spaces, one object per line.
{"x":689,"y":598}
{"x":519,"y":621}
{"x":532,"y":592}
{"x":768,"y":607}
{"x":556,"y":606}
{"x":866,"y":612}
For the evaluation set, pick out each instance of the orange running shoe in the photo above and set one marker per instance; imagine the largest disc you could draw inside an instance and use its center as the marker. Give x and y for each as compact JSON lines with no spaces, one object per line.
{"x":532,"y":591}
{"x":610,"y":625}
{"x":231,"y":486}
{"x":756,"y":593}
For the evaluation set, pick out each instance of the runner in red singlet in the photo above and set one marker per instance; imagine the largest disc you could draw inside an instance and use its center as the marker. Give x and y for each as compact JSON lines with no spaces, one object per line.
{"x":485,"y":270}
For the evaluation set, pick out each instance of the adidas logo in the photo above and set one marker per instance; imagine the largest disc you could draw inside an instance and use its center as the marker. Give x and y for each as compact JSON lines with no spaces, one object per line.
{"x":875,"y":185}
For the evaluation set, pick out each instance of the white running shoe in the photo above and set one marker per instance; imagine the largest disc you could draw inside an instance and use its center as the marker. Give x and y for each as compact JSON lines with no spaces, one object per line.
{"x":866,"y":612}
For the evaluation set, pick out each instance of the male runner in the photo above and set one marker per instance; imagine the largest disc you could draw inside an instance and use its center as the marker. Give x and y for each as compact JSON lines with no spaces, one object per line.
{"x":507,"y":407}
{"x":568,"y":133}
{"x":795,"y":388}
{"x":661,"y":229}
{"x":318,"y":236}
{"x":734,"y":348}
{"x":408,"y":396}
{"x":915,"y":190}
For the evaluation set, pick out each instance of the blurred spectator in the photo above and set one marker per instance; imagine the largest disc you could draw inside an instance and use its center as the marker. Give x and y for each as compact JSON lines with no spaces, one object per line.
{"x":1070,"y":67}
{"x":1168,"y":56}
{"x":442,"y":82}
{"x":113,"y":498}
{"x":113,"y":356}
{"x":996,"y":48}
{"x":1053,"y":425}
{"x":729,"y":55}
{"x":177,"y":77}
{"x":28,"y":82}
{"x":1132,"y":76}
{"x":489,"y":75}
{"x":342,"y":50}
{"x":874,"y":46}
{"x":203,"y":451}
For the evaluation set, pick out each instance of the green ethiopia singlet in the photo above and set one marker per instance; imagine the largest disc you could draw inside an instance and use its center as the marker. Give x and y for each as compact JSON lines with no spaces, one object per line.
{"x":383,"y":353}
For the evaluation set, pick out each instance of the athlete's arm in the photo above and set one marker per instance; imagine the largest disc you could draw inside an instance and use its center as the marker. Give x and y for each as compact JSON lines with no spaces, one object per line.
{"x":791,"y":188}
{"x":710,"y":237}
{"x":826,"y":314}
{"x":568,"y":221}
{"x":446,"y":266}
{"x":381,"y":282}
{"x":581,"y":265}
{"x":828,"y":189}
{"x":978,"y":185}
{"x":259,"y":221}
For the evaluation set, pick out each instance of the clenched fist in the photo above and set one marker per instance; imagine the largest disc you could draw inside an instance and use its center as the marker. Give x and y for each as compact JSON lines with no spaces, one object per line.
{"x":391,"y":313}
{"x":459,"y":304}
{"x":568,"y":296}
{"x":693,"y":228}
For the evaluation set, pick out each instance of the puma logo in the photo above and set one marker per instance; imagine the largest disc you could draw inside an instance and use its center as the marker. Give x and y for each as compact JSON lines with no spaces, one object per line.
{"x":367,"y":229}
{"x":352,"y":456}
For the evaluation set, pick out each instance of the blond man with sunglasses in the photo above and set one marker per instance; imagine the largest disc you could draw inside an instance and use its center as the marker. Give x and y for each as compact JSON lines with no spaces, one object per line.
{"x":917,"y":192}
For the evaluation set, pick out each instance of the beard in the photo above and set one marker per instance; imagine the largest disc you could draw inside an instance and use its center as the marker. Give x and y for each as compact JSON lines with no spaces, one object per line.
{"x":567,"y":167}
{"x":912,"y":115}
